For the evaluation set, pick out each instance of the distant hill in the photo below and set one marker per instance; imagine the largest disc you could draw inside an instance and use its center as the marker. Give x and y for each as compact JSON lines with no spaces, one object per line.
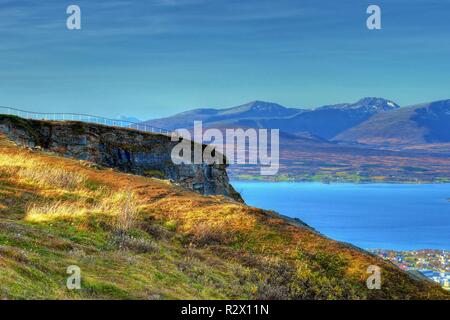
{"x":324,"y":122}
{"x":419,"y":124}
{"x":254,"y":110}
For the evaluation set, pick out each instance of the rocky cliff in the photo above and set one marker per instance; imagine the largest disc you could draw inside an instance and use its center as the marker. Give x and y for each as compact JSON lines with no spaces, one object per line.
{"x":127,"y":150}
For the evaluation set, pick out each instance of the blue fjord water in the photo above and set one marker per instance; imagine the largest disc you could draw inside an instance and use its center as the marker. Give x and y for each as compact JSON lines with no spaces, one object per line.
{"x":387,"y":216}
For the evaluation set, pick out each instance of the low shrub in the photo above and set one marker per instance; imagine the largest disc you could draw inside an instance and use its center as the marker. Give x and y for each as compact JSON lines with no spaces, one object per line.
{"x":138,"y":245}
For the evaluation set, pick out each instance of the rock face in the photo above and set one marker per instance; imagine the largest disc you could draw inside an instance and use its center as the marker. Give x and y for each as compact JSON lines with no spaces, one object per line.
{"x":127,"y":150}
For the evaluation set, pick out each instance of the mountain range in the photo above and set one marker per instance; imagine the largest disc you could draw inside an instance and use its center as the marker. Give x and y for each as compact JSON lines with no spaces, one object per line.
{"x":371,"y":140}
{"x":374,"y":121}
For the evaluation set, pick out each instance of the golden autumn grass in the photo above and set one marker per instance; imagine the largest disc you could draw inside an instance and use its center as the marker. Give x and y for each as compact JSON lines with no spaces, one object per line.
{"x":142,"y":238}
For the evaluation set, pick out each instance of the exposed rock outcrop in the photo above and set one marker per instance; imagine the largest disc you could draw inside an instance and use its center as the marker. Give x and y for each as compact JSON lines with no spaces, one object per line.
{"x":127,"y":150}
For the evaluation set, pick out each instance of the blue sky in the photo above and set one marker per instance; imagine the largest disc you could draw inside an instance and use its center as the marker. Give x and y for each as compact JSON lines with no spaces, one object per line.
{"x":157,"y":57}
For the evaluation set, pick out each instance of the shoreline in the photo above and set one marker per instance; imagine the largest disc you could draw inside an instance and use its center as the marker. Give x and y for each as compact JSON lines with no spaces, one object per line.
{"x":339,"y":181}
{"x":233,"y":179}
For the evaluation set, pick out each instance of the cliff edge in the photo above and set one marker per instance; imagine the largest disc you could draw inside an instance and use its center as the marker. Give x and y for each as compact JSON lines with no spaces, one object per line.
{"x":128,"y":150}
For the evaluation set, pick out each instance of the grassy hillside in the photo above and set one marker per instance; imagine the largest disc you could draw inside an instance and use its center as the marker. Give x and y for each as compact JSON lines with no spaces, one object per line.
{"x":143,"y":238}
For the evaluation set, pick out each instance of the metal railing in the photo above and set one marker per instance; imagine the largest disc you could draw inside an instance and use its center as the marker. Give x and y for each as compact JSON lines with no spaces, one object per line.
{"x":83,"y":118}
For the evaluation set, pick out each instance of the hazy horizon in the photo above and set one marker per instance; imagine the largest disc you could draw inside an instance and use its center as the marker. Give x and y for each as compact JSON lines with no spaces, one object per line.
{"x":144,"y":118}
